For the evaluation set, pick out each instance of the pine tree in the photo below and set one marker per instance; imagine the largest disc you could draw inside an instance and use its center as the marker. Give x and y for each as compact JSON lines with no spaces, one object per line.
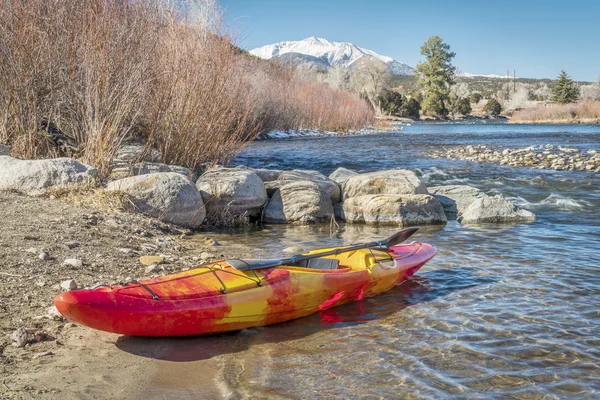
{"x":492,"y":107}
{"x":436,"y":75}
{"x":564,"y":89}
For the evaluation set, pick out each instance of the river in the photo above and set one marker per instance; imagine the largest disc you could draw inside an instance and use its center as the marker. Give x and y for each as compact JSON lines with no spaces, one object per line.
{"x":502,"y":311}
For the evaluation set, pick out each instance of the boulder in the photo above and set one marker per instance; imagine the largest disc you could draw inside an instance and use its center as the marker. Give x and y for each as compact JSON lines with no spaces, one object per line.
{"x":394,"y":181}
{"x":331,"y":188}
{"x":33,"y":176}
{"x":267,"y":175}
{"x":394,"y":209}
{"x":455,"y":198}
{"x":494,"y":210}
{"x":233,"y":190}
{"x":302,"y":175}
{"x":135,"y":152}
{"x":169,"y":196}
{"x":299,"y":202}
{"x":144,"y":168}
{"x":4,"y":150}
{"x":341,"y":175}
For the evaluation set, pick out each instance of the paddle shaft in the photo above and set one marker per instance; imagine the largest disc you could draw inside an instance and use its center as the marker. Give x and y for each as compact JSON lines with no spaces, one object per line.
{"x":393,"y":240}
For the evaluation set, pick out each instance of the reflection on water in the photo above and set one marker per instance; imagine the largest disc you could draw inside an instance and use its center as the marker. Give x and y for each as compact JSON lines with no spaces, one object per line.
{"x":501,"y":311}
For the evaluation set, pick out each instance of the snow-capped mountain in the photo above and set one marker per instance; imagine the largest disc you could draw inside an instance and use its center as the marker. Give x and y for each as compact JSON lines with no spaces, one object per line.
{"x":494,"y":76}
{"x":326,"y":54}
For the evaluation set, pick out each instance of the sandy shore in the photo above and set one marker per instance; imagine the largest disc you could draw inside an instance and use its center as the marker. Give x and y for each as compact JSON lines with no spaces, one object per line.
{"x":74,"y":362}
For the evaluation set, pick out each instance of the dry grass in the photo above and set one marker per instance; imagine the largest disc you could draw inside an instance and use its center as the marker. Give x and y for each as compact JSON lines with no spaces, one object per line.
{"x":585,"y":111}
{"x":101,"y":71}
{"x":93,"y":196}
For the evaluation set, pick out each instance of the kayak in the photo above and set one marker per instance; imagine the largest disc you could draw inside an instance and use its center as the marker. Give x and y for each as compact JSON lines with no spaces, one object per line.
{"x":222,"y":296}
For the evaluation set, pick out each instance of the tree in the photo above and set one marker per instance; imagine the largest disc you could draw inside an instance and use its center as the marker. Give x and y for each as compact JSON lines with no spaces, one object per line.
{"x":492,"y":107}
{"x":390,"y":102}
{"x":475,"y":97}
{"x":436,"y":75}
{"x":459,"y":105}
{"x":370,"y":77}
{"x":564,"y":89}
{"x":411,"y":109}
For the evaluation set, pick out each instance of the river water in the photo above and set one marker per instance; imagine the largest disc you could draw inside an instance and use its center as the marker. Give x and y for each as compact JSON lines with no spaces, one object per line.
{"x":502,"y":311}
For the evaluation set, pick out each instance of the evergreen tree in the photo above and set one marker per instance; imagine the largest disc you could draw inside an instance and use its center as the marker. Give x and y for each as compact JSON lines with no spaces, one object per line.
{"x":436,"y":75}
{"x":492,"y":107}
{"x":475,"y":97}
{"x":390,"y":102}
{"x":564,"y":89}
{"x":411,"y":109}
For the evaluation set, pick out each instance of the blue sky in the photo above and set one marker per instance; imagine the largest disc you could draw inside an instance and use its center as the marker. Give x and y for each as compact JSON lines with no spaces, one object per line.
{"x":538,"y":38}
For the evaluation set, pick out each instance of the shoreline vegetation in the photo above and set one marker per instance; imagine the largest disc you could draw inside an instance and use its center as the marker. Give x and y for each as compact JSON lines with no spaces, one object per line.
{"x":164,"y":73}
{"x":584,"y":112}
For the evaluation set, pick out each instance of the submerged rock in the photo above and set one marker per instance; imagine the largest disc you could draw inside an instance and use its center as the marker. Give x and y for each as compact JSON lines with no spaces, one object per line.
{"x":301,"y":202}
{"x":168,"y":196}
{"x":390,"y":209}
{"x":456,"y":198}
{"x":495,"y":209}
{"x":232,"y":190}
{"x":33,"y":176}
{"x":394,"y":181}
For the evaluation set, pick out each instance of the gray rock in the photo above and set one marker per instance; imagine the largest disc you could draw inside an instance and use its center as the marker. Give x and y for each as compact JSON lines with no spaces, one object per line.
{"x":19,"y":337}
{"x":300,"y":202}
{"x":456,"y":198}
{"x":33,"y":176}
{"x":44,"y":256}
{"x":152,"y":269}
{"x":302,"y":175}
{"x":395,"y":181}
{"x":341,"y":175}
{"x":495,"y":209}
{"x":232,"y":190}
{"x":205,"y":255}
{"x":73,"y":262}
{"x":135,"y":152}
{"x":331,"y":188}
{"x":169,"y":196}
{"x":4,"y":150}
{"x":267,"y":175}
{"x":69,"y":284}
{"x":144,"y":168}
{"x":338,"y":211}
{"x":401,"y":210}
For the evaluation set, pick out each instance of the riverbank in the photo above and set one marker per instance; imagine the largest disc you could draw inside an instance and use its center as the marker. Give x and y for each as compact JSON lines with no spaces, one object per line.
{"x":49,"y":245}
{"x":558,"y":121}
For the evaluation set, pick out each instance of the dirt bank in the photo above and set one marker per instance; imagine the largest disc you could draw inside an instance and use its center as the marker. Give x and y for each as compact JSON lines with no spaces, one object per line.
{"x":73,"y":361}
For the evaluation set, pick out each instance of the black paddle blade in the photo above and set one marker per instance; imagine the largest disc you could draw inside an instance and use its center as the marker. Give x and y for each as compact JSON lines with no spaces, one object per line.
{"x":400,"y":237}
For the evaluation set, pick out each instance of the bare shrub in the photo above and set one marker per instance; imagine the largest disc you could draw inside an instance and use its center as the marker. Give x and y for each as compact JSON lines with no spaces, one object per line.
{"x":95,"y":72}
{"x":282,"y":100}
{"x":586,"y":111}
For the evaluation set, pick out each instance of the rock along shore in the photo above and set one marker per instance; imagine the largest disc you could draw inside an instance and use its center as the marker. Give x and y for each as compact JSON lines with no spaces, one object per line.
{"x":549,"y":156}
{"x":231,"y":196}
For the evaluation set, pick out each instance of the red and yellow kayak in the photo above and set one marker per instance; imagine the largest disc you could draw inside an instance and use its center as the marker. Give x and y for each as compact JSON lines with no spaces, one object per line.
{"x":218,"y":297}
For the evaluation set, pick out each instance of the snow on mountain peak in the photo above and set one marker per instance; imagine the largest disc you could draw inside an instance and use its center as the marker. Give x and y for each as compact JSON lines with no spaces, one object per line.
{"x":332,"y":54}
